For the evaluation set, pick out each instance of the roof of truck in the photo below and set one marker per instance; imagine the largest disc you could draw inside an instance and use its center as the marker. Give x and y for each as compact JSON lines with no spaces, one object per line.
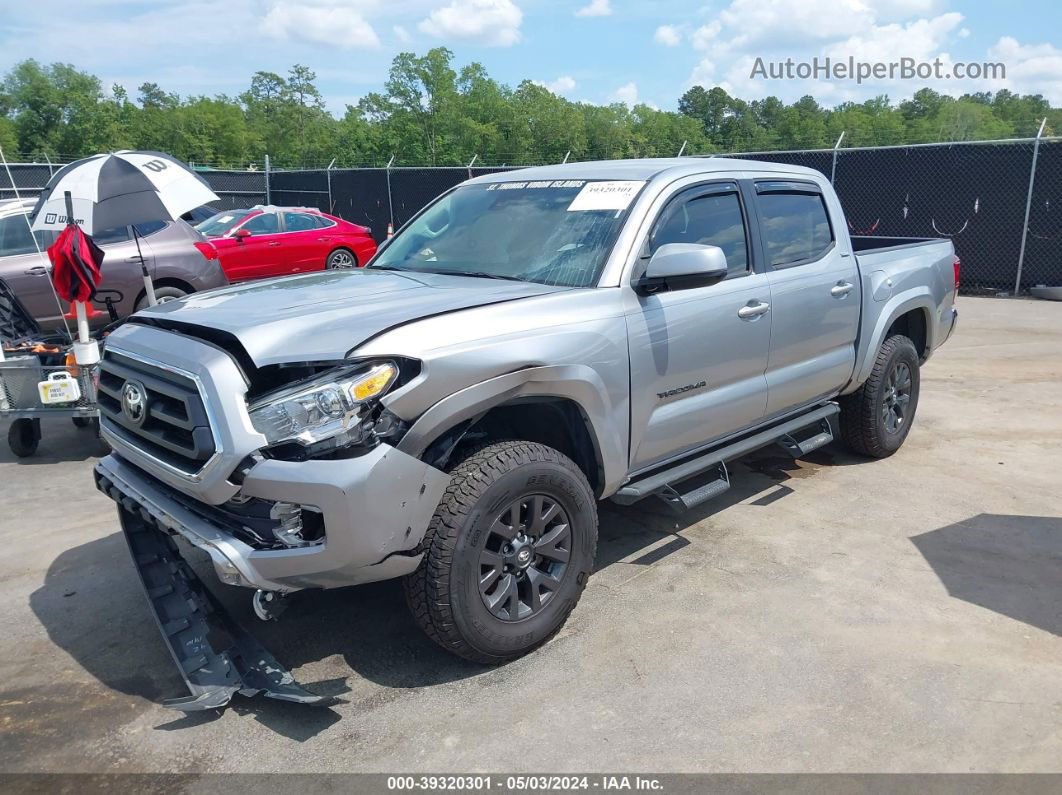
{"x":642,"y":169}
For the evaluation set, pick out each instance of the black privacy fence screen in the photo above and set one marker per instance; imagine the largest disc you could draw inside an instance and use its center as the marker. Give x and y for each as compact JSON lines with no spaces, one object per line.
{"x":978,"y":194}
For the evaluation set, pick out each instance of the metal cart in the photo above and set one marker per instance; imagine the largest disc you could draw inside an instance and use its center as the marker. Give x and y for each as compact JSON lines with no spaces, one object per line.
{"x":23,"y":401}
{"x":29,"y":359}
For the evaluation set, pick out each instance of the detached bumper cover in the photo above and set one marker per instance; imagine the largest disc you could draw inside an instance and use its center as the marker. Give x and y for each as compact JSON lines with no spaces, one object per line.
{"x":216,"y":657}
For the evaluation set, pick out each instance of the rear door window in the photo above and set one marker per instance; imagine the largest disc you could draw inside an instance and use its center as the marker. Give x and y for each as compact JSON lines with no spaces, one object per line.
{"x":299,"y":222}
{"x":796,"y":227}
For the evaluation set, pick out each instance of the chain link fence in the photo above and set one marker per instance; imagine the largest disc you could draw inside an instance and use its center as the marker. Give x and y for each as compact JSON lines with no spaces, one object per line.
{"x":976,"y":194}
{"x":973,"y":193}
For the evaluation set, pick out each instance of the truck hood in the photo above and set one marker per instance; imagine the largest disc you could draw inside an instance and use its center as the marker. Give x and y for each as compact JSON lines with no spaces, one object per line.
{"x":323,"y":316}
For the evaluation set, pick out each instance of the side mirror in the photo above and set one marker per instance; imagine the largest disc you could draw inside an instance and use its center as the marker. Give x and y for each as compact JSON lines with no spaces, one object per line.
{"x":242,"y":233}
{"x":680,"y":266}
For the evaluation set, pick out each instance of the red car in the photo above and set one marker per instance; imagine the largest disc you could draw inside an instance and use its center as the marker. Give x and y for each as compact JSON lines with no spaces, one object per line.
{"x":277,"y":241}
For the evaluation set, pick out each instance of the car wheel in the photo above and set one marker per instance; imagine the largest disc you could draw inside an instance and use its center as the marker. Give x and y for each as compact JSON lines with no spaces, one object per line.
{"x":23,"y":437}
{"x":876,"y":418}
{"x":507,"y":553}
{"x":341,"y":259}
{"x":162,"y":295}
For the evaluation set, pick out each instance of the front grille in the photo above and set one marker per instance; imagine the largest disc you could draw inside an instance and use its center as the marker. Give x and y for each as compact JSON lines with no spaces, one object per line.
{"x":175,"y":429}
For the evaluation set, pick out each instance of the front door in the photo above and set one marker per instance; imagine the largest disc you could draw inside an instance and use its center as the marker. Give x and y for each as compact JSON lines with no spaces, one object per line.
{"x":815,"y":295}
{"x":256,"y":256}
{"x":698,"y":355}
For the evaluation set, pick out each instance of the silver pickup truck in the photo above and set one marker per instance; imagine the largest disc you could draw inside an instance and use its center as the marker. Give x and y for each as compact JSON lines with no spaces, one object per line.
{"x":528,"y":344}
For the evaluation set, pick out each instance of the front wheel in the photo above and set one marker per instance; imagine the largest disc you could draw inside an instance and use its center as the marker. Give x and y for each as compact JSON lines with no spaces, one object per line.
{"x":876,"y":418}
{"x":507,"y":553}
{"x":341,"y":259}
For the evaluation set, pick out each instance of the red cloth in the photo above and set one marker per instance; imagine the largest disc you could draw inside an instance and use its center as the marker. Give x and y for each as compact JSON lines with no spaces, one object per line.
{"x":76,"y":262}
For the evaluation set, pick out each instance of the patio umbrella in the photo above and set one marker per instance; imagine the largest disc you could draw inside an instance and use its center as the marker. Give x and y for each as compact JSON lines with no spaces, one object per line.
{"x":121,"y":189}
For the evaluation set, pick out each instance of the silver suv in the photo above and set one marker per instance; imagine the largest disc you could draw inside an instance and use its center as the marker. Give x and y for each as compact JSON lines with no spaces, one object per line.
{"x":179,"y":258}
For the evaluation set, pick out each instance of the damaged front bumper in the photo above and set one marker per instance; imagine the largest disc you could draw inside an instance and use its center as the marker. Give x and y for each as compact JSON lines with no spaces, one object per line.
{"x":216,"y":657}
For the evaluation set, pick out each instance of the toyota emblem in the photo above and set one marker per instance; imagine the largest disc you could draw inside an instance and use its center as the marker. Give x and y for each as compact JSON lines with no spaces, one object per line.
{"x":134,"y":402}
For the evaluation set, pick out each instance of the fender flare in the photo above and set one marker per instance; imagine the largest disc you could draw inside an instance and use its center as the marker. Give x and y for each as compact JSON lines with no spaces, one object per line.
{"x":575,"y":382}
{"x":898,"y":305}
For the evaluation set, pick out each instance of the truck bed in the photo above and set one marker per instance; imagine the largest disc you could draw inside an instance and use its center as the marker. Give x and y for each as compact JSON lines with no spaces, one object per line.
{"x":865,"y":243}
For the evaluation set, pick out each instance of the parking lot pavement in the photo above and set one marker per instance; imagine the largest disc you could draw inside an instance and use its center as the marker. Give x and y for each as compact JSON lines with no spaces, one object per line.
{"x":830,"y":614}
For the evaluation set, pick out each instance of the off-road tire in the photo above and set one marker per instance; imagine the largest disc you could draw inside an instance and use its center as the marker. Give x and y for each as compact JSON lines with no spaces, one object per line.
{"x":443,"y":593}
{"x":862,"y":423}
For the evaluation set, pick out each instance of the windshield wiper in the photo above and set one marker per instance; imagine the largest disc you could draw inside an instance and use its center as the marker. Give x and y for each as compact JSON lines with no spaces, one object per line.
{"x":482,"y":275}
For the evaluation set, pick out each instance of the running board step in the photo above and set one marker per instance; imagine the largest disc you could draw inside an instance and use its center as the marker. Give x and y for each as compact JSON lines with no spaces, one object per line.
{"x":800,"y":449}
{"x":683,"y":501}
{"x":662,"y":480}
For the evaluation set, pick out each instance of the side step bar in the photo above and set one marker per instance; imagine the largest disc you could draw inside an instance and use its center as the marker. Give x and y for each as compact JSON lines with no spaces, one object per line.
{"x":662,"y":483}
{"x":216,"y":657}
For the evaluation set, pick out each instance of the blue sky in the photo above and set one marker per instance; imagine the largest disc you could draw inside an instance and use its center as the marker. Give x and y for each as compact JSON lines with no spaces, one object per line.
{"x":591,"y":50}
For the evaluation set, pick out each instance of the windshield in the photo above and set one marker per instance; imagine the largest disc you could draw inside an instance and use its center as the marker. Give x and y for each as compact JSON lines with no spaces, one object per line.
{"x":219,"y":224}
{"x":556,"y":232}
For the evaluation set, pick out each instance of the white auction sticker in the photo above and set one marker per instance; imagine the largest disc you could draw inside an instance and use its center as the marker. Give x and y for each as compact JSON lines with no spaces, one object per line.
{"x":612,"y":195}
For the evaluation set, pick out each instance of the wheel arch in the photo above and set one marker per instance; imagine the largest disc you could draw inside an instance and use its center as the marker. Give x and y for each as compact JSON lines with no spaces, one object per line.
{"x":904,"y":313}
{"x":559,"y":406}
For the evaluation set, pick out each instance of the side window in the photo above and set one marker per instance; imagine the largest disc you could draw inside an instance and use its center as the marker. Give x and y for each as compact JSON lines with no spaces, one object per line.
{"x":299,"y":222}
{"x":15,"y":236}
{"x":118,"y":234}
{"x":795,"y":226}
{"x":264,"y":224}
{"x":149,"y":227}
{"x":322,"y":222}
{"x":711,"y":220}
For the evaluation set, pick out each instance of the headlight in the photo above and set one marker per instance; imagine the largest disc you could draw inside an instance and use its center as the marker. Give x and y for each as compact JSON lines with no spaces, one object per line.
{"x":331,"y":407}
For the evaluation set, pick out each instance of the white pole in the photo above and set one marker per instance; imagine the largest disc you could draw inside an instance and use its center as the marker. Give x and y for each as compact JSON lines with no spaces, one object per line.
{"x":1028,"y":206}
{"x":82,"y":322}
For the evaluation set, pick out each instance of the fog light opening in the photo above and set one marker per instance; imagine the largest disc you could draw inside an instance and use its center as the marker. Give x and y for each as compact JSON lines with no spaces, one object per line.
{"x":297,"y":525}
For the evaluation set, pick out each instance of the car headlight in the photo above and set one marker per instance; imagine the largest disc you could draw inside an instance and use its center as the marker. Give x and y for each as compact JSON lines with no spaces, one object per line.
{"x":332,"y":407}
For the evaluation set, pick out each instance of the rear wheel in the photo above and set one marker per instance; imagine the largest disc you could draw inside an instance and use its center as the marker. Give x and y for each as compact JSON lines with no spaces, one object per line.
{"x":23,"y":437}
{"x":341,"y":259}
{"x":507,"y":554}
{"x":162,"y":295}
{"x":876,"y":418}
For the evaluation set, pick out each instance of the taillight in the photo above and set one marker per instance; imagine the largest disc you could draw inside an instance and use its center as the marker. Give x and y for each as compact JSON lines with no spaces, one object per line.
{"x":958,"y":266}
{"x":210,"y":252}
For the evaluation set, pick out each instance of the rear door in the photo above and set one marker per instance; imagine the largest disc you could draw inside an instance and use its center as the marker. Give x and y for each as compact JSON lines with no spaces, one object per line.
{"x":698,"y":355}
{"x":815,"y":297}
{"x":305,"y":246}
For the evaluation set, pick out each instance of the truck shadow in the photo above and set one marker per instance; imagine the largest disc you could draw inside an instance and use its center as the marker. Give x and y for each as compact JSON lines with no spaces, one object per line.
{"x":92,"y":607}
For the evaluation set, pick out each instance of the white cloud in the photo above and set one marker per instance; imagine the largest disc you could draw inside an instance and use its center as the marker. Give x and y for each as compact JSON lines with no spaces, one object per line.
{"x":493,"y":23}
{"x":402,"y":34}
{"x":562,"y":85}
{"x":703,"y":73}
{"x":668,"y":35}
{"x":337,"y":24}
{"x":627,"y":94}
{"x":703,"y":37}
{"x":1031,"y":68}
{"x":596,"y":8}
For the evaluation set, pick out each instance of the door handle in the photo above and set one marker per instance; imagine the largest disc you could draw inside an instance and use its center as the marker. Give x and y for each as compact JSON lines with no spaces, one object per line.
{"x":134,"y":258}
{"x":37,"y":270}
{"x":841,"y":289}
{"x":274,"y":243}
{"x":753,"y":309}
